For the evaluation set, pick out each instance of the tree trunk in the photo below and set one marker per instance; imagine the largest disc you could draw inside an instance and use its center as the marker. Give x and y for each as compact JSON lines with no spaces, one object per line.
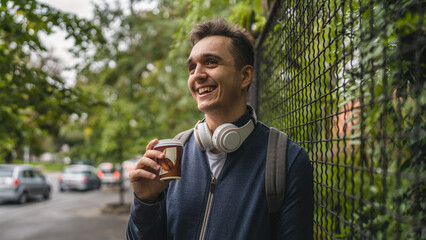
{"x":120,"y":183}
{"x":8,"y":157}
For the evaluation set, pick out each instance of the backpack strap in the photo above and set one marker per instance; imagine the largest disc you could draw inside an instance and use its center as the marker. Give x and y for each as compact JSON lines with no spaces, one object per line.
{"x":275,"y":172}
{"x":184,"y":136}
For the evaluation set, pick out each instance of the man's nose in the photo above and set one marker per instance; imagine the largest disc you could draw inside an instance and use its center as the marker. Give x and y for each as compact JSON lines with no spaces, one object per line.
{"x":200,"y":73}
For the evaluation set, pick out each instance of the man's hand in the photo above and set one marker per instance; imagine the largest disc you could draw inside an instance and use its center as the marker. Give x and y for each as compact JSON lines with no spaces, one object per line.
{"x":145,"y":180}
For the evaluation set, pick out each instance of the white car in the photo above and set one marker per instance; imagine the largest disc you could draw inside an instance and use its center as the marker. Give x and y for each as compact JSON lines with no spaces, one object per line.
{"x":109,"y":174}
{"x":128,"y":166}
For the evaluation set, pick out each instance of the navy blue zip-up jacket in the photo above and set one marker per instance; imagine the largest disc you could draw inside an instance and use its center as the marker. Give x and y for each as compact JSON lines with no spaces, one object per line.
{"x":234,"y":205}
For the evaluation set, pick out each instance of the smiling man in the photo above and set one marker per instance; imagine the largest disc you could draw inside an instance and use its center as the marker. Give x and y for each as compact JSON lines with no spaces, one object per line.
{"x":217,"y":82}
{"x":221,"y":193}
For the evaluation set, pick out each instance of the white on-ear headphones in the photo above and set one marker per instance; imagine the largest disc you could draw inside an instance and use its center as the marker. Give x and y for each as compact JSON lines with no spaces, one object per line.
{"x":226,"y":138}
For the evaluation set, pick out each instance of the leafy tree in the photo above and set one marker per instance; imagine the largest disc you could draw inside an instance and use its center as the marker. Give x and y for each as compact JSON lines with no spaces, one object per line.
{"x":34,"y":100}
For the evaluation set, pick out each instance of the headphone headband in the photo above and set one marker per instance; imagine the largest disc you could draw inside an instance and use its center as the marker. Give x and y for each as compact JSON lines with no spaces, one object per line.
{"x":253,"y":114}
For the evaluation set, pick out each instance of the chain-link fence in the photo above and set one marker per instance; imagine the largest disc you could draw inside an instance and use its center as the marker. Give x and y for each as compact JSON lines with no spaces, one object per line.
{"x":345,"y":79}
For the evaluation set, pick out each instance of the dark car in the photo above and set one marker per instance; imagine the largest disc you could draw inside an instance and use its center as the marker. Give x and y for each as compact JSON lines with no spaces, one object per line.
{"x":20,"y":183}
{"x":79,"y":177}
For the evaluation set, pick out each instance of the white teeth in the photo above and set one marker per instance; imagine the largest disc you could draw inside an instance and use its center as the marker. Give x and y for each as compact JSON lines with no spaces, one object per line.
{"x":205,"y":89}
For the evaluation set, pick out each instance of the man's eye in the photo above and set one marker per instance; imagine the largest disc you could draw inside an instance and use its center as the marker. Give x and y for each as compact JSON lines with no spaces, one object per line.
{"x":191,"y":68}
{"x":211,"y":62}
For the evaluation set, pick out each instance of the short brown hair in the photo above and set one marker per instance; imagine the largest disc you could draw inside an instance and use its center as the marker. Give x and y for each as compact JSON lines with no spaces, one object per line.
{"x":242,"y":47}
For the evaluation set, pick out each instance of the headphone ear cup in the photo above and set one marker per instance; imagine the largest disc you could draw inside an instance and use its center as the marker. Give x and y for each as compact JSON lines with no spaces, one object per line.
{"x":203,"y":136}
{"x":226,"y":138}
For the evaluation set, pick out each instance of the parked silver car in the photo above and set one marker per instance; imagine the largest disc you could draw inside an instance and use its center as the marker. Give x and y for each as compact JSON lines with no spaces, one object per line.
{"x":19,"y":183}
{"x":79,"y":177}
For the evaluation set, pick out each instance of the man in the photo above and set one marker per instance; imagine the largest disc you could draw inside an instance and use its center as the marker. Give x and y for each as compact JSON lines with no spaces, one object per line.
{"x":221,"y":193}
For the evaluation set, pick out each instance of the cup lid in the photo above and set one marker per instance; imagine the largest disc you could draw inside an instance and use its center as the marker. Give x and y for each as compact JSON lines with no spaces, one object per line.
{"x":168,"y":142}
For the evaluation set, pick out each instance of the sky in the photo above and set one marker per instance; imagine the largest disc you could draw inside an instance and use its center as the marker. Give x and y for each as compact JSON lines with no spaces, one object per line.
{"x":82,"y":8}
{"x":57,"y":42}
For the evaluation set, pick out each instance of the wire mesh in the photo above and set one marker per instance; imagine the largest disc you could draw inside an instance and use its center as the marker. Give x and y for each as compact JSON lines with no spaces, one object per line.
{"x":345,"y":79}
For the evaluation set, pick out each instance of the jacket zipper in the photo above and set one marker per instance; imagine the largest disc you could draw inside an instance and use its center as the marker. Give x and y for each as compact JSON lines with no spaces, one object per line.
{"x":209,"y":202}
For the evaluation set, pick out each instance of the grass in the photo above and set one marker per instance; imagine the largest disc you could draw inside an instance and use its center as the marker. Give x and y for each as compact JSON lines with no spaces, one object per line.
{"x":45,"y":167}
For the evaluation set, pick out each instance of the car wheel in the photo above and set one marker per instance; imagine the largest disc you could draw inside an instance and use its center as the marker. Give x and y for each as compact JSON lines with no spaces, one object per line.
{"x":46,"y":194}
{"x":23,"y":198}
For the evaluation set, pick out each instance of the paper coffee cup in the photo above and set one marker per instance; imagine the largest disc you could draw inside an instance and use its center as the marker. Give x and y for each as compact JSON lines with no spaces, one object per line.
{"x":170,"y":164}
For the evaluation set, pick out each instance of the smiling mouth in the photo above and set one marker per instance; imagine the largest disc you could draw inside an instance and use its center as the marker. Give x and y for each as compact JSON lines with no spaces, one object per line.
{"x":205,"y":90}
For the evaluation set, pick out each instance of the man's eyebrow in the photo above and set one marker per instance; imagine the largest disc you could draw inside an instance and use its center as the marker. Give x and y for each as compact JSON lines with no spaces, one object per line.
{"x":212,"y":55}
{"x":206,"y":55}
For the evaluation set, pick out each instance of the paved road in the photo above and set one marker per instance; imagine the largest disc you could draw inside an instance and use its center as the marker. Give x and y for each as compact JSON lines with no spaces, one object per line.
{"x":67,"y":216}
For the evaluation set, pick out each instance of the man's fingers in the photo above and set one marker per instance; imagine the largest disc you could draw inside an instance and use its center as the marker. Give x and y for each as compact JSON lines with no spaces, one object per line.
{"x":142,"y":173}
{"x":148,"y":159}
{"x":146,"y":162}
{"x":151,"y":144}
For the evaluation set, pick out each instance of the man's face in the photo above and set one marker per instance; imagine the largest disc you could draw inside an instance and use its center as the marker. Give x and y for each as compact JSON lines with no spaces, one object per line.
{"x":213,"y":80}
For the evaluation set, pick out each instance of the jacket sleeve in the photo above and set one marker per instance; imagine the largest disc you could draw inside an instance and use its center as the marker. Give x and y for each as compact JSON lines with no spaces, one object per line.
{"x":147,"y":221}
{"x":295,"y":220}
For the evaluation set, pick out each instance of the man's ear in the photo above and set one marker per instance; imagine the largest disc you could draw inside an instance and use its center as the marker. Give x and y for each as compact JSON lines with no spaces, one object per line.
{"x":248,"y":74}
